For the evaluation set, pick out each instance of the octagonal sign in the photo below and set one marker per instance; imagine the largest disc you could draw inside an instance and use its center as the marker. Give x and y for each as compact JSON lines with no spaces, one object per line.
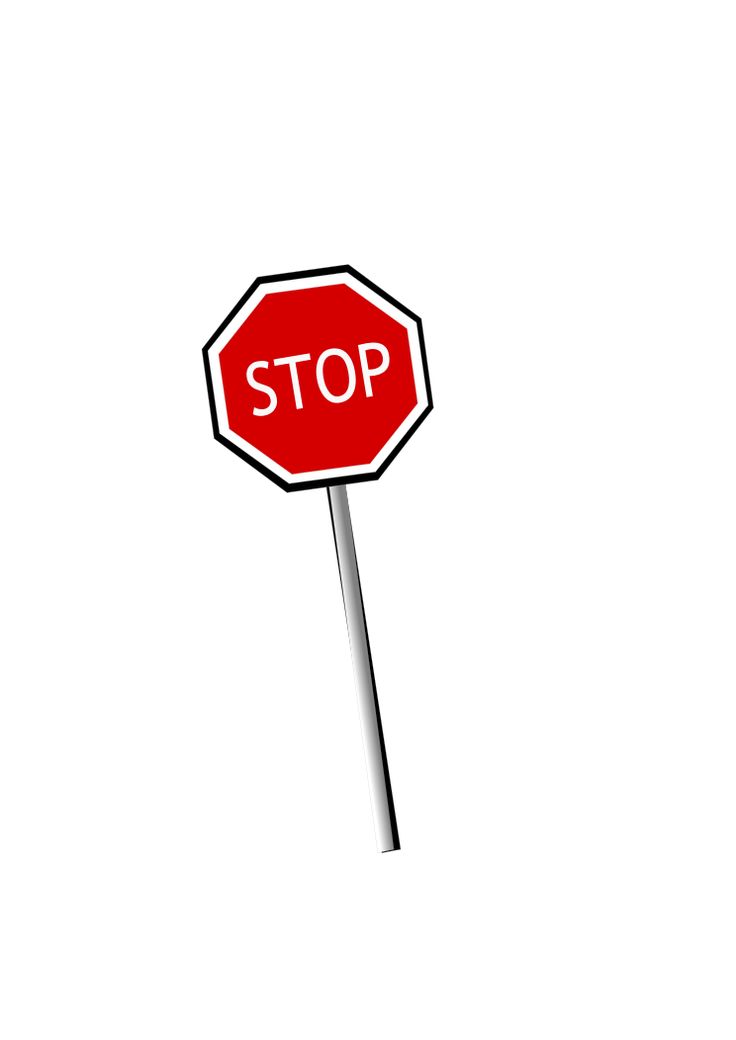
{"x":317,"y":378}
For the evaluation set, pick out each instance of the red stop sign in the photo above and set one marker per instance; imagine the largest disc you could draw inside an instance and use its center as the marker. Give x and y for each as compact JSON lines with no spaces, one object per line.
{"x":317,"y":378}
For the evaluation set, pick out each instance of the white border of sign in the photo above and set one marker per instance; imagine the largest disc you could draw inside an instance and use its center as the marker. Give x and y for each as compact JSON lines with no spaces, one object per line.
{"x":302,"y":280}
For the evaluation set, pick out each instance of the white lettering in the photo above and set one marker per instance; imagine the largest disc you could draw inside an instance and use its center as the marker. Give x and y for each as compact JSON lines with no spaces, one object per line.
{"x":264,"y":389}
{"x":368,"y":372}
{"x":292,"y":362}
{"x":350,"y":390}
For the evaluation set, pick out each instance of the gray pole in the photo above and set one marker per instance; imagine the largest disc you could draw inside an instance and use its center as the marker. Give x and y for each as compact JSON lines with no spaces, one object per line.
{"x":384,"y":815}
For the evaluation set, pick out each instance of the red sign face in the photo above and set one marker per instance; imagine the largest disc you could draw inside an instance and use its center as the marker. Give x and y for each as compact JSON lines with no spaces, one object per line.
{"x":317,"y":378}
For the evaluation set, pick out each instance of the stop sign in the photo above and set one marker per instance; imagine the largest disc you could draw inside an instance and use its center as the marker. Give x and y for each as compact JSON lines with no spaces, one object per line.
{"x":317,"y":378}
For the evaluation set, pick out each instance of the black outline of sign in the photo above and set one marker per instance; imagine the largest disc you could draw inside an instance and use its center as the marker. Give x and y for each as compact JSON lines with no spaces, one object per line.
{"x":306,"y":485}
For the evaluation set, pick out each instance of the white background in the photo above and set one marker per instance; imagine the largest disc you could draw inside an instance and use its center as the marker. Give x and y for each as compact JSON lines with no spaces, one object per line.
{"x":186,"y":847}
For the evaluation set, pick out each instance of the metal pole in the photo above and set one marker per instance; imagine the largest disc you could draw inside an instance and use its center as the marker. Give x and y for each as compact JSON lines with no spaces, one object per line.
{"x":384,"y":815}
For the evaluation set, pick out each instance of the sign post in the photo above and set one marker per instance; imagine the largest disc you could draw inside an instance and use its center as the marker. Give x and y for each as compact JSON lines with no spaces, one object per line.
{"x":382,"y":799}
{"x":317,"y":379}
